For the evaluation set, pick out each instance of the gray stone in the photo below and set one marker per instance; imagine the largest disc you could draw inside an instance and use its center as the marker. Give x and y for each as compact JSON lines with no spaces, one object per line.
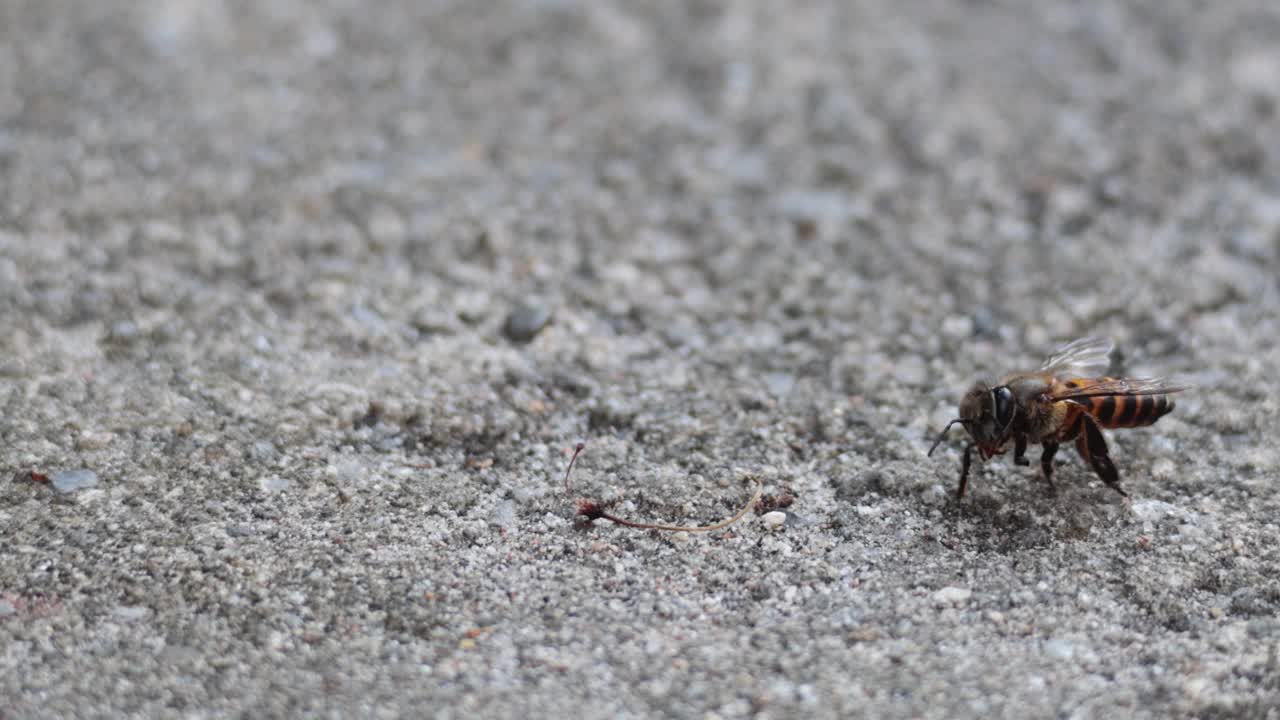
{"x":525,"y":321}
{"x":69,"y":481}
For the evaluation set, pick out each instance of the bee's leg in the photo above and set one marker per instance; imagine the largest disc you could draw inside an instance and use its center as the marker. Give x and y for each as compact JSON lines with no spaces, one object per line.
{"x":1020,"y":450}
{"x":964,"y":471}
{"x":1092,"y":447}
{"x":1046,"y":462}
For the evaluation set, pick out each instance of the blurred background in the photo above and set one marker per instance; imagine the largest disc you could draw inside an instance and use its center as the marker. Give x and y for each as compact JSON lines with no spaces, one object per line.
{"x":283,"y":274}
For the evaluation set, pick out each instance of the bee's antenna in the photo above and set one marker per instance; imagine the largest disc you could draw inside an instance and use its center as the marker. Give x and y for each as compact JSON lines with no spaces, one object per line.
{"x":943,"y":435}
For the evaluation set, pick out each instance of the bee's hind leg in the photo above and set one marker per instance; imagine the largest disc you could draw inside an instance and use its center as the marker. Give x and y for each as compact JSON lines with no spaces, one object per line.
{"x":1092,"y":447}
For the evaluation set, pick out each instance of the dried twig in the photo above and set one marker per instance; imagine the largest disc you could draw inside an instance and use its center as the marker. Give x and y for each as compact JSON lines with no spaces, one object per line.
{"x":594,"y":510}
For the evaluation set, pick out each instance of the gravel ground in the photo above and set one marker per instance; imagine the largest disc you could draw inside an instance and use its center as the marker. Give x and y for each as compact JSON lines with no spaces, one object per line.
{"x":304,"y":305}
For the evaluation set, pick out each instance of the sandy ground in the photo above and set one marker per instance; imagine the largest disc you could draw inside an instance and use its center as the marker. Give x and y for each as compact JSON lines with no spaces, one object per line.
{"x":321,"y":294}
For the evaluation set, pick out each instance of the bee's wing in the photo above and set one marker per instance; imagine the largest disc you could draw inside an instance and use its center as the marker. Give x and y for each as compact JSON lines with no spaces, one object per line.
{"x":1082,"y":358}
{"x":1118,"y":386}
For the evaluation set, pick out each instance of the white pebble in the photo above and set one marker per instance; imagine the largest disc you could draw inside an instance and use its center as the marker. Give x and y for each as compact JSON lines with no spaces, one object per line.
{"x":952,"y":596}
{"x":273,"y":483}
{"x":958,"y":326}
{"x":1060,"y":649}
{"x":774,"y":519}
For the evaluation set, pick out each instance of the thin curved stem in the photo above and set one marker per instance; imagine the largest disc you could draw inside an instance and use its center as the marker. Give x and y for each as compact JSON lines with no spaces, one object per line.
{"x":593,"y":510}
{"x":755,"y":498}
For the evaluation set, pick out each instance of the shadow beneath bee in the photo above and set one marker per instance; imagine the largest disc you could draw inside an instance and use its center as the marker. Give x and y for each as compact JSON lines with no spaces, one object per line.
{"x":1003,"y":511}
{"x":1006,"y":521}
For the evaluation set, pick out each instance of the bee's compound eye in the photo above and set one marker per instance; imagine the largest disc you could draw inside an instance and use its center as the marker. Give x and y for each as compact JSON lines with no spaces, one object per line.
{"x":1002,"y":403}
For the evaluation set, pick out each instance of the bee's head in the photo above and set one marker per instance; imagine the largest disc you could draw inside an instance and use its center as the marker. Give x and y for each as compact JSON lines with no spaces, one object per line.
{"x":987,"y":414}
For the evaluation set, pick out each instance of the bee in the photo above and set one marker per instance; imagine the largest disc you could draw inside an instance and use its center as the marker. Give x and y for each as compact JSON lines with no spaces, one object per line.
{"x":1064,"y":400}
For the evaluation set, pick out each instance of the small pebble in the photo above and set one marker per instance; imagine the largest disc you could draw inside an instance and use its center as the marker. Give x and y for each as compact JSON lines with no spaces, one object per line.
{"x":94,"y":441}
{"x":1060,"y":649}
{"x":773,"y":519}
{"x":984,"y":323}
{"x":123,"y":332}
{"x":780,"y":384}
{"x":350,"y":472}
{"x":504,"y":514}
{"x":526,"y":321}
{"x":952,"y":596}
{"x":1196,"y":688}
{"x":815,"y":205}
{"x":864,"y":633}
{"x":368,"y":318}
{"x":6,"y":608}
{"x":262,"y":451}
{"x":1153,"y":510}
{"x":68,"y":481}
{"x":274,"y":483}
{"x":958,"y":326}
{"x":130,"y":613}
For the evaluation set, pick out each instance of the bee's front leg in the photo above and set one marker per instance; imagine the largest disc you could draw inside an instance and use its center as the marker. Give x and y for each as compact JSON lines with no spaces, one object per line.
{"x":1046,"y":463}
{"x":1020,"y":450}
{"x":964,"y":471}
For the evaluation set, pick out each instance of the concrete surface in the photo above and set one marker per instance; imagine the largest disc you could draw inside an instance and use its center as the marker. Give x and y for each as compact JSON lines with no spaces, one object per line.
{"x":322,"y":293}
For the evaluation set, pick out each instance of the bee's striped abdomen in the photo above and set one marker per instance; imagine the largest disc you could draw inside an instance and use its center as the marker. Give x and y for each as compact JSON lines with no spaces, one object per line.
{"x":1127,"y":411}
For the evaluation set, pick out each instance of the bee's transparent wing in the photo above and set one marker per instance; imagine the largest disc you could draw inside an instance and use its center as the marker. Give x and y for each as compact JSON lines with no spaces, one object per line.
{"x":1085,"y":357}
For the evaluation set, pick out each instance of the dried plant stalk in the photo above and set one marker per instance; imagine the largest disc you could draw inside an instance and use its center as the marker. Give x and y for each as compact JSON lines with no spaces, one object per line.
{"x":594,"y":510}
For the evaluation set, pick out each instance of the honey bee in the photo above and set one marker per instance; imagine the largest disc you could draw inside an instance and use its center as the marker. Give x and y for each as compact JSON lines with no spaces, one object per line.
{"x":1062,"y":401}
